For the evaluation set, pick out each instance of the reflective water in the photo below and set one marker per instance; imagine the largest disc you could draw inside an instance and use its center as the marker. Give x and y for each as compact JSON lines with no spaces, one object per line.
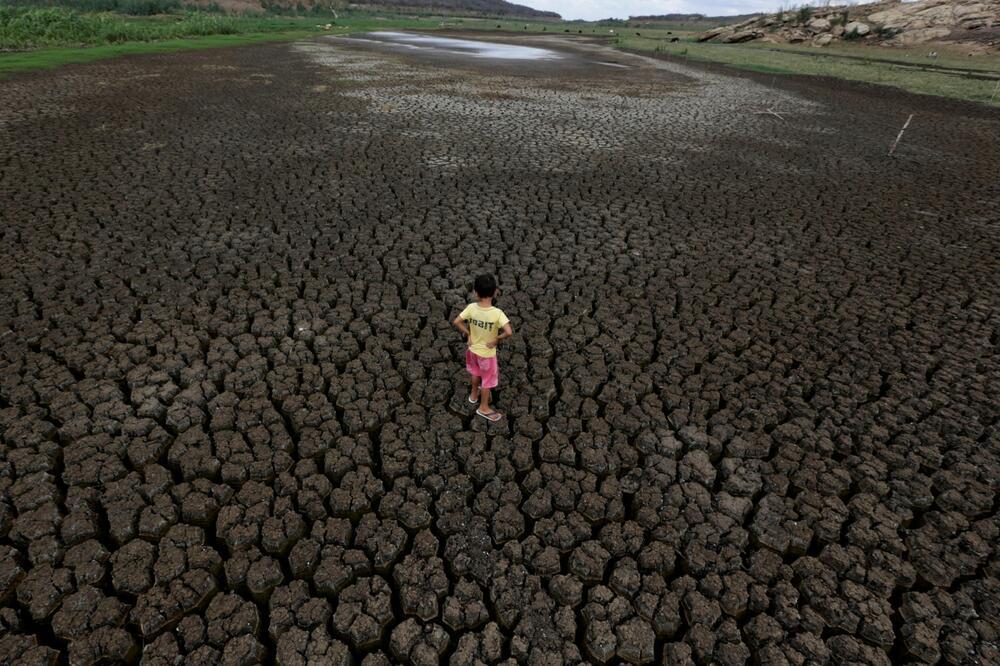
{"x":466,"y":47}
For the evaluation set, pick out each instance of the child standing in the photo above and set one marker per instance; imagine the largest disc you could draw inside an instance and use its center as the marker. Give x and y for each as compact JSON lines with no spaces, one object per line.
{"x":487,"y":326}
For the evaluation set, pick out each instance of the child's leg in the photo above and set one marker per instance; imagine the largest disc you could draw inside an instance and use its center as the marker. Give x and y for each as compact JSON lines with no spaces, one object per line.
{"x":490,"y":375}
{"x":484,"y":370}
{"x":475,"y":377}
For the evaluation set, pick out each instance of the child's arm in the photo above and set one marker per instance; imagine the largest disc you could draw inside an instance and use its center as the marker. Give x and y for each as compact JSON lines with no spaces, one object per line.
{"x":460,"y":325}
{"x":505,"y":333}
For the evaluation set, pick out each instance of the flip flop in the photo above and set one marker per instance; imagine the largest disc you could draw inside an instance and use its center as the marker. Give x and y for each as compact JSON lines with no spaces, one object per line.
{"x":473,"y":401}
{"x":492,"y":417}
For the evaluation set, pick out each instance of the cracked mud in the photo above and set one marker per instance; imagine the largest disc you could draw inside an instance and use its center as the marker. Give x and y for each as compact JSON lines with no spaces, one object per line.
{"x":752,"y":397}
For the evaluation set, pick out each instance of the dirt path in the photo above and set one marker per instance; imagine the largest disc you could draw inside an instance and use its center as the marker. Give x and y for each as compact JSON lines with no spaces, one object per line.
{"x":752,"y":396}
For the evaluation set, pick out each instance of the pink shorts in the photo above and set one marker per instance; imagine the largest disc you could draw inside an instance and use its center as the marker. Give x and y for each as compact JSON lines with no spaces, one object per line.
{"x":484,"y":368}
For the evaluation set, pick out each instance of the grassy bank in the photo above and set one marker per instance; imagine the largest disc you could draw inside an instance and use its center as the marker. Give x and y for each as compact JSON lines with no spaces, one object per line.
{"x":41,"y":38}
{"x":950,"y":75}
{"x":49,"y":58}
{"x":24,"y":28}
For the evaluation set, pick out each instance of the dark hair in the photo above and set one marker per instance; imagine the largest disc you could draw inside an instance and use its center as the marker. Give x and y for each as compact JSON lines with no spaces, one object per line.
{"x":485,"y":286}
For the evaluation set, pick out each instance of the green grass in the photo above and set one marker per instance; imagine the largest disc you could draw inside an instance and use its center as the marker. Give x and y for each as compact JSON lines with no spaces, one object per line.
{"x":27,"y":28}
{"x":850,"y":62}
{"x":951,"y":56}
{"x":133,"y":7}
{"x":49,"y":58}
{"x":532,"y":27}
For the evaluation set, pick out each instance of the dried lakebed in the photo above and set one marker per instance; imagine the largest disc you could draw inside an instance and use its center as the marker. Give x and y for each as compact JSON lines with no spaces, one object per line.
{"x":752,"y":396}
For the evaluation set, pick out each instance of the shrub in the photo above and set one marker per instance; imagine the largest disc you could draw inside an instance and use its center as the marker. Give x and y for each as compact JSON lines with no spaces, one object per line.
{"x":128,"y":7}
{"x":147,"y":7}
{"x":23,"y":27}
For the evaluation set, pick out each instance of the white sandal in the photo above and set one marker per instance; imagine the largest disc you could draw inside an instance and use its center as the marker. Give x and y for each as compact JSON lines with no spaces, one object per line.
{"x":492,"y":417}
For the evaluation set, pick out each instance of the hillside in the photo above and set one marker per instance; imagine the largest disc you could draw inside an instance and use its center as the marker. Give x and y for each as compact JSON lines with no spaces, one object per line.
{"x":971,"y":23}
{"x":468,"y":7}
{"x":462,"y":7}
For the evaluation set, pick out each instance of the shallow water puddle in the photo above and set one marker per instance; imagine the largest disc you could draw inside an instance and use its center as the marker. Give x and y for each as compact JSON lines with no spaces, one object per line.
{"x":465,"y":47}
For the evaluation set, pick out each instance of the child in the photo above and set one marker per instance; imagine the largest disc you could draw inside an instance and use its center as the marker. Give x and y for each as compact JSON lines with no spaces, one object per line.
{"x":488,"y":325}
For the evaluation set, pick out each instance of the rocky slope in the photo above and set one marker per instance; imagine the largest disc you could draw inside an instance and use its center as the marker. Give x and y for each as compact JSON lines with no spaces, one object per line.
{"x":974,"y":22}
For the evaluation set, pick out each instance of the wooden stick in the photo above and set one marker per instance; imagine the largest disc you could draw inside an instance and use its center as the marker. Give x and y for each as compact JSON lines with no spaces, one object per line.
{"x":900,"y":135}
{"x":770,"y":111}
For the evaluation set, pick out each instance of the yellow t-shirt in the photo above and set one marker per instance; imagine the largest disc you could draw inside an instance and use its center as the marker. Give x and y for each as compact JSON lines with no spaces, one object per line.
{"x":484,"y":326}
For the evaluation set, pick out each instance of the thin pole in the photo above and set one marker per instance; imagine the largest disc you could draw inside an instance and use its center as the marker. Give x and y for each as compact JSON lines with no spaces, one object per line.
{"x":900,"y":135}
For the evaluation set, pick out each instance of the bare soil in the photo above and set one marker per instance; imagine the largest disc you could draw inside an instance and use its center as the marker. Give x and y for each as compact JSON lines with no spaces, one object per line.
{"x":752,"y":399}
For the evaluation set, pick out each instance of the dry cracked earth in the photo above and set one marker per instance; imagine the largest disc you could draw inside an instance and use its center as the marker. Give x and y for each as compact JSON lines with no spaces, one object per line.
{"x":752,"y":397}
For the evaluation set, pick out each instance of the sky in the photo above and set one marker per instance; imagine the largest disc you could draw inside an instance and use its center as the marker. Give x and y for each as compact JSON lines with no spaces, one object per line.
{"x":598,"y":9}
